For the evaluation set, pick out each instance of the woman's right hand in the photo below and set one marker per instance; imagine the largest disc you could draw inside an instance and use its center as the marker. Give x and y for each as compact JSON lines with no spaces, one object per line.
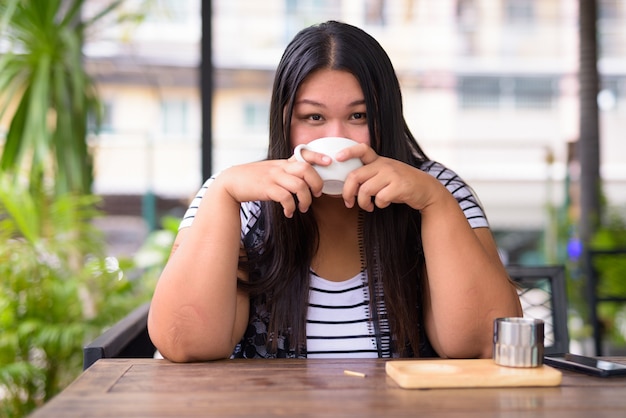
{"x":288,"y":182}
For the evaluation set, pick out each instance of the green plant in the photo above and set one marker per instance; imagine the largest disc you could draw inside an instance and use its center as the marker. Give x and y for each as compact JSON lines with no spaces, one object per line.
{"x":47,"y":92}
{"x":611,"y":270}
{"x":58,"y":291}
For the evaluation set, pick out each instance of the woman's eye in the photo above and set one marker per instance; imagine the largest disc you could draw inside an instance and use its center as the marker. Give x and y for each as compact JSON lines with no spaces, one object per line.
{"x":360,"y":115}
{"x":315,"y":117}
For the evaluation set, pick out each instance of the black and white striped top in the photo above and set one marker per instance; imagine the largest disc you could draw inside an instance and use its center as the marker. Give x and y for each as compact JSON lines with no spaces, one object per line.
{"x":339,"y":321}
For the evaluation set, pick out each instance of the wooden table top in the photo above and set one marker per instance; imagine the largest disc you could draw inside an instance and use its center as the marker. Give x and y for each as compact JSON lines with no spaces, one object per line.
{"x":158,"y":388}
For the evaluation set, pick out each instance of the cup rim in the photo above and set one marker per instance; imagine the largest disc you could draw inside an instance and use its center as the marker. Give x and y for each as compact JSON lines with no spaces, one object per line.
{"x":519,"y":320}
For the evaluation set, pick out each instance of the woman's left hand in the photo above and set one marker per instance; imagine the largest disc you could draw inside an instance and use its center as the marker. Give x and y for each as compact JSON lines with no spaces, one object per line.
{"x":382,"y":181}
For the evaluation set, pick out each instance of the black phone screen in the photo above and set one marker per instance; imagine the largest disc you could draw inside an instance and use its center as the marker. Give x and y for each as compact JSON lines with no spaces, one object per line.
{"x":595,"y":363}
{"x":584,"y":364}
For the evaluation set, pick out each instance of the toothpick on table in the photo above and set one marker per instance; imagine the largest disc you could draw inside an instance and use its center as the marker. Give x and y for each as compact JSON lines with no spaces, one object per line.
{"x":355,"y":374}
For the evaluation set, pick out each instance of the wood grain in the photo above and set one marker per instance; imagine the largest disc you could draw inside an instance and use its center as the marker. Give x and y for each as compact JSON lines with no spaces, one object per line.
{"x":157,"y":388}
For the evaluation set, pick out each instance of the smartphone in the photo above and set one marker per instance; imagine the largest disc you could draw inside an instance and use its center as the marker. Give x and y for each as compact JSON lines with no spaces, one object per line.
{"x":588,"y":365}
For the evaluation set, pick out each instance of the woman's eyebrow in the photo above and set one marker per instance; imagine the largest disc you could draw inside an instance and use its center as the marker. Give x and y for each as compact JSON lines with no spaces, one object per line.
{"x":310,"y":102}
{"x":357,"y":102}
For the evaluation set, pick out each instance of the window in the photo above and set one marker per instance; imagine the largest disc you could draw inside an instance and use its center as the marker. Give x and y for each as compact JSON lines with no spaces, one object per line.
{"x":106,"y":123}
{"x":609,"y":10}
{"x":479,"y":92}
{"x":466,"y":13}
{"x":501,"y":92}
{"x":255,"y":115}
{"x":303,"y":13}
{"x":611,"y":29}
{"x":174,"y":117}
{"x":375,"y":12}
{"x":533,"y":92}
{"x":519,"y":11}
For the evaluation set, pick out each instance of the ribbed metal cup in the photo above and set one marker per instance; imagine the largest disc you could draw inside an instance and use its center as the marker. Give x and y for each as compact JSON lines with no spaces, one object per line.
{"x":518,"y":342}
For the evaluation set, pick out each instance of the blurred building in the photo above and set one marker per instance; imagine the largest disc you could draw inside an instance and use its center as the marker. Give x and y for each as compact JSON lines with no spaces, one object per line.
{"x":490,"y":89}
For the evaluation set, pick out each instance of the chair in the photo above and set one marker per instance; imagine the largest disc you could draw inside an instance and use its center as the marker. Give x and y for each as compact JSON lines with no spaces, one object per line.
{"x":128,"y":338}
{"x":542,"y":294}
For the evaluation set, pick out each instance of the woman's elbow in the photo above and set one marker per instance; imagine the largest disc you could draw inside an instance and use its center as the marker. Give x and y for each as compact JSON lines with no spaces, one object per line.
{"x":174,"y":346}
{"x":182,"y":342}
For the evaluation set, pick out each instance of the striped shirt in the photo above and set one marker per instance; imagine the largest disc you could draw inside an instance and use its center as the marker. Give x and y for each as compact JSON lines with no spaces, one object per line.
{"x":339,"y":321}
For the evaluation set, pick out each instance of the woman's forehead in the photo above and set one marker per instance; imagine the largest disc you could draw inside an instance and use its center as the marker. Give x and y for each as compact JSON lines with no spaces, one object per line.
{"x":322,"y":82}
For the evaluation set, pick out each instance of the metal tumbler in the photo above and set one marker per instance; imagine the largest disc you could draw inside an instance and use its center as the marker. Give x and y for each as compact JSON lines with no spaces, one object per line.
{"x":518,"y":342}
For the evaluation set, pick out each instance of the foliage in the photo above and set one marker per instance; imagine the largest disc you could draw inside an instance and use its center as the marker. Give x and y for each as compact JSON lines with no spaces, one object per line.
{"x":47,"y":92}
{"x":611,"y":271}
{"x":58,"y":291}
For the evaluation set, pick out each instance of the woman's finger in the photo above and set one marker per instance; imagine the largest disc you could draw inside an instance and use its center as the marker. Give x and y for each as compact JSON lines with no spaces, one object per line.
{"x":361,"y":151}
{"x":306,"y":172}
{"x":312,"y":157}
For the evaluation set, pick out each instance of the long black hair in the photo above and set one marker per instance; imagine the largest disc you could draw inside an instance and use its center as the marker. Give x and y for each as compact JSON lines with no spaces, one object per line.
{"x":391,"y":239}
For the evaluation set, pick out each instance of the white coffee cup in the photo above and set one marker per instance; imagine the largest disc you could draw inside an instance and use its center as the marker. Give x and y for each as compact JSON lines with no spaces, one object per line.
{"x":334,"y":174}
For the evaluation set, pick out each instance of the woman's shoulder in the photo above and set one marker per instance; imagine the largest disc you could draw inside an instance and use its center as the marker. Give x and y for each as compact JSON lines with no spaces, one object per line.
{"x":250,"y":211}
{"x":462,"y":192}
{"x":446,"y":176}
{"x":439,"y":171}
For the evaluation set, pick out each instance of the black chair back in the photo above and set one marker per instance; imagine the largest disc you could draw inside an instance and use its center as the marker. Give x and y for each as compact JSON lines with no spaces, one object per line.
{"x":543,"y":296}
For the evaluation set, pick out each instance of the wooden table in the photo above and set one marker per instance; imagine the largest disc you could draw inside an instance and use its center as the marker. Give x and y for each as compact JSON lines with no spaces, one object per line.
{"x":157,"y":388}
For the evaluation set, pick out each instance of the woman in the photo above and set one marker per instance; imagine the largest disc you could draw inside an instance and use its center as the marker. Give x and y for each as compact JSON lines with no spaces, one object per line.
{"x":401,"y":264}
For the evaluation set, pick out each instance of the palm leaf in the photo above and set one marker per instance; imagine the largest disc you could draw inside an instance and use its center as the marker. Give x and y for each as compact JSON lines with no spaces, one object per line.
{"x":13,"y":142}
{"x":7,"y":9}
{"x":21,"y":208}
{"x":12,"y":81}
{"x":54,"y":94}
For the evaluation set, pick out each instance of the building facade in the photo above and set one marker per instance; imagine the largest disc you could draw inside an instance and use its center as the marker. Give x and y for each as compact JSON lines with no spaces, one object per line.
{"x":490,"y":89}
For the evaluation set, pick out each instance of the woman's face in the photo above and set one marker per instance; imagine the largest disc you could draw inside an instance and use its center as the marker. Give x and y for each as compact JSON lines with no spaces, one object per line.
{"x":329,"y":103}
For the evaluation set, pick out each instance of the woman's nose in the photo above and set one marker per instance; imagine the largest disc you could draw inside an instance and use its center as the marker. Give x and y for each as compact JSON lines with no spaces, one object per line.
{"x":337,"y":129}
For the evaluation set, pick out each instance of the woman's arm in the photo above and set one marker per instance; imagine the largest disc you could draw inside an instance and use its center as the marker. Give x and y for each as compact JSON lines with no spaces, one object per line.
{"x":197,"y":312}
{"x":467,"y":285}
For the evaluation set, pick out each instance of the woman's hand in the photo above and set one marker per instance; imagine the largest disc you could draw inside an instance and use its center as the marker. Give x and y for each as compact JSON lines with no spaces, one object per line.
{"x":288,"y":182}
{"x":382,"y":181}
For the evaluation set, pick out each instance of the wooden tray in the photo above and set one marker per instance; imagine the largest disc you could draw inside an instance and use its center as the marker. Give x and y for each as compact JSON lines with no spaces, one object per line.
{"x":425,"y":374}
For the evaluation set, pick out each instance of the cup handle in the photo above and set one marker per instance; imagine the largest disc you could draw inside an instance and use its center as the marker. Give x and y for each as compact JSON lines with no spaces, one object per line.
{"x":297,"y":152}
